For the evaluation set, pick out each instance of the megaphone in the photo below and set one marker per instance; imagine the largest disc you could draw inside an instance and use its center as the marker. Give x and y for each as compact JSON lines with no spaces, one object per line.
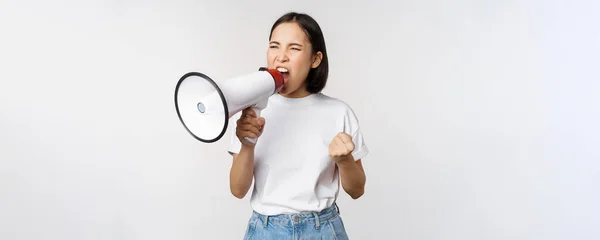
{"x":205,"y":107}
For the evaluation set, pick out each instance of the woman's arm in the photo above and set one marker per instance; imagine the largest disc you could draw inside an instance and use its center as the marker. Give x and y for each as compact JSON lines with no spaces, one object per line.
{"x":242,"y":168}
{"x":242,"y":171}
{"x":352,"y":176}
{"x":352,"y":173}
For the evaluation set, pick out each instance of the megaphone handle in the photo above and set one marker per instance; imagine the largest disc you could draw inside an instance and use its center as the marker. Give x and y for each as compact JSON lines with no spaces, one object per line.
{"x":257,"y":112}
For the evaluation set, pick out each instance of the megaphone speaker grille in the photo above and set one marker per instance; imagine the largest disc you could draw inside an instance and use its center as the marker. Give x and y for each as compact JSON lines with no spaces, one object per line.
{"x":201,"y":107}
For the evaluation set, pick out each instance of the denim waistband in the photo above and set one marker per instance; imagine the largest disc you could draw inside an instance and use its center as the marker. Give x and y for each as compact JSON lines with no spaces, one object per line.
{"x":294,"y":219}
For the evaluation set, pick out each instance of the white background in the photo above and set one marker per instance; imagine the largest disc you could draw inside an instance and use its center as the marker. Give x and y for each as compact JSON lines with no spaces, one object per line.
{"x":482,"y":117}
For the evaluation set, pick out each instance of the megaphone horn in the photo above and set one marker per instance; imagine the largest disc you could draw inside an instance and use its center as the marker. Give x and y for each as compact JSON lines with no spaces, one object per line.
{"x":204,"y":107}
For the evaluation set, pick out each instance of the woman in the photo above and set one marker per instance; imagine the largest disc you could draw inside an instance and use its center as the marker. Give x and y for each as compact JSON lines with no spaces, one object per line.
{"x":307,"y":143}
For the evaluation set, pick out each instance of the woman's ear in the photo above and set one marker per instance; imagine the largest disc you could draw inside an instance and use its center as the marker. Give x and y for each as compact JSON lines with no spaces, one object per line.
{"x":317,"y":59}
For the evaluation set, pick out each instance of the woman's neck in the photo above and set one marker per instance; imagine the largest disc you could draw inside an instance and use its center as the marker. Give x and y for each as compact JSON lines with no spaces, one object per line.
{"x":300,"y":93}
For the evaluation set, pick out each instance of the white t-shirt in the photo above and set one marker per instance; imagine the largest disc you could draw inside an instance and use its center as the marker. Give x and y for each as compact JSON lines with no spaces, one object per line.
{"x":292,"y":169}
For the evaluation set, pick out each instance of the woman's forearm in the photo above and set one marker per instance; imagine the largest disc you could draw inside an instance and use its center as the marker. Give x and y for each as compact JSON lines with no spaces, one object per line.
{"x":242,"y":172}
{"x":352,"y":176}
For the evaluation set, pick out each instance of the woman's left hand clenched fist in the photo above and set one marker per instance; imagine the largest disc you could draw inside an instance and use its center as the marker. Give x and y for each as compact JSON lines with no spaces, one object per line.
{"x":341,"y":147}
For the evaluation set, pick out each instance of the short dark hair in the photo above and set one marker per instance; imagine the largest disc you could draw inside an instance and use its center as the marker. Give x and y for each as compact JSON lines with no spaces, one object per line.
{"x":317,"y":77}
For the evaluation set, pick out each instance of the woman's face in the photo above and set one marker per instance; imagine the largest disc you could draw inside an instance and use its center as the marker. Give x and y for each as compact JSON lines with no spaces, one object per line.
{"x":290,"y":52}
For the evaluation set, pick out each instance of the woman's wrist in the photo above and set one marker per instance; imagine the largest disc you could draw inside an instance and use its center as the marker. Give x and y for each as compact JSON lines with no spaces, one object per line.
{"x":344,"y":160}
{"x":247,"y":148}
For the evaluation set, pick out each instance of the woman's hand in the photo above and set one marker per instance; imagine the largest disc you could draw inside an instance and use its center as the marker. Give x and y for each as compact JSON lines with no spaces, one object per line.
{"x":341,"y":147}
{"x":248,"y":126}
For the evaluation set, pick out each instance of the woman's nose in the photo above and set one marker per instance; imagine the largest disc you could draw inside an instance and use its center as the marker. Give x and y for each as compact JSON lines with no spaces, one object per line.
{"x":282,"y":56}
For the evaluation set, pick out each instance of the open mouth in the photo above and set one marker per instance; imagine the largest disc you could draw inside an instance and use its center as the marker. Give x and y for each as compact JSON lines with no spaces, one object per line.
{"x":285,"y":72}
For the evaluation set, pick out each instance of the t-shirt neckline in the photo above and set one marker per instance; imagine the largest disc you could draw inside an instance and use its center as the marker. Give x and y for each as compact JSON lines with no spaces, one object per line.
{"x":295,"y":101}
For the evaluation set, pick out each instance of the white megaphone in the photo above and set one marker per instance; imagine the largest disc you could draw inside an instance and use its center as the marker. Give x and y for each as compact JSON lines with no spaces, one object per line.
{"x":204,"y":107}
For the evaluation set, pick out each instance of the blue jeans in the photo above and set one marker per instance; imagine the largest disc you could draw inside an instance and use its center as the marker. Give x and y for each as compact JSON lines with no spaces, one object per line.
{"x":326,"y":224}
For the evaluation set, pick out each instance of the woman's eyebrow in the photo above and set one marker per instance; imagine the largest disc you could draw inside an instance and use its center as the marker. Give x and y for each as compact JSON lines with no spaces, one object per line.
{"x":291,"y":44}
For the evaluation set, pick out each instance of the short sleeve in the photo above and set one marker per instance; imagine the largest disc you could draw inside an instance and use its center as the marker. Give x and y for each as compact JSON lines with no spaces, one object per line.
{"x":234,"y":145}
{"x":352,"y":128}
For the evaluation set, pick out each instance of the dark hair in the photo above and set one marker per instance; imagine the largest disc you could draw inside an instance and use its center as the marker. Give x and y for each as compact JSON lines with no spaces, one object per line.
{"x":317,"y":77}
